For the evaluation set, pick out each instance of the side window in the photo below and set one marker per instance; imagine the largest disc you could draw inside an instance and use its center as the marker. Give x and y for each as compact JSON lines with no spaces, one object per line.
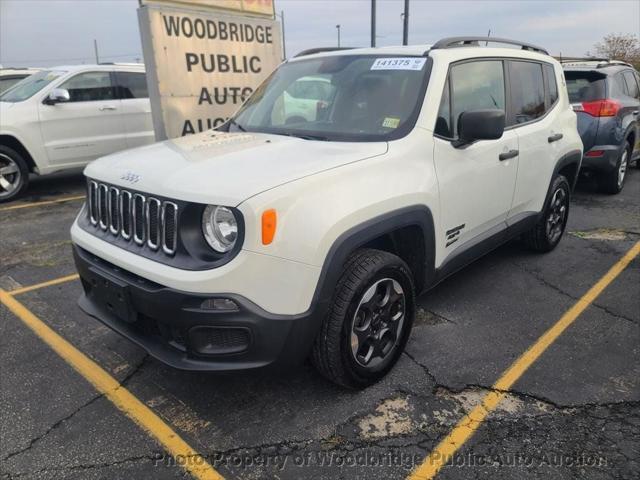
{"x":89,"y":87}
{"x":632,"y":85}
{"x":618,"y":86}
{"x":443,"y":127}
{"x":131,"y":85}
{"x":475,"y":85}
{"x":553,"y":86}
{"x":527,"y":91}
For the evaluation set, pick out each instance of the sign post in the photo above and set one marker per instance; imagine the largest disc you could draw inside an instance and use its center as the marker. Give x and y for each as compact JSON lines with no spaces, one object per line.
{"x":204,"y":58}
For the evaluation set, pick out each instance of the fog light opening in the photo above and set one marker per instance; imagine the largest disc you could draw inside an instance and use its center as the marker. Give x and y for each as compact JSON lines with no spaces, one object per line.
{"x":219,"y":304}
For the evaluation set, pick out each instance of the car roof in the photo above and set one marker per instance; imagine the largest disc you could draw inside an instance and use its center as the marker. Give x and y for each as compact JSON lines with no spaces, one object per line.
{"x":606,"y":67}
{"x":409,"y":50}
{"x":456,"y":53}
{"x":18,"y":70}
{"x":99,"y":66}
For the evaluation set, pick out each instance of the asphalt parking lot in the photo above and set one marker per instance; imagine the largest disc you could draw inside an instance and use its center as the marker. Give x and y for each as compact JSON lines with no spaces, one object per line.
{"x":573,"y":412}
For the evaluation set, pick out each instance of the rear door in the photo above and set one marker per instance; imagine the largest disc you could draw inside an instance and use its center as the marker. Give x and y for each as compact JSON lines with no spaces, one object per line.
{"x":131,"y":88}
{"x":533,"y":117}
{"x":476,"y":187}
{"x":88,"y":126}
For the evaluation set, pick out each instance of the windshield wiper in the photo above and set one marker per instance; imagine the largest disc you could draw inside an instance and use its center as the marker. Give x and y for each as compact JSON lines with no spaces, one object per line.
{"x":238,"y":126}
{"x":305,"y":136}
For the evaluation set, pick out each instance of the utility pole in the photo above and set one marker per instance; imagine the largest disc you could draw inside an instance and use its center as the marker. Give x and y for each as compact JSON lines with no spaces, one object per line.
{"x":488,"y":35}
{"x":373,"y":23}
{"x":405,"y":26}
{"x":95,"y":48}
{"x":338,"y":27}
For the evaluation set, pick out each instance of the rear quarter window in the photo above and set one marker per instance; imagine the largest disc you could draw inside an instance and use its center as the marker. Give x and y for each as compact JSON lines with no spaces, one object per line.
{"x":585,"y":86}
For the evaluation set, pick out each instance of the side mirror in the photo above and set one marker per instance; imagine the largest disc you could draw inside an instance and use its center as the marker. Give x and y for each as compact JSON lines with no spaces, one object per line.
{"x":479,"y":125}
{"x":58,"y":95}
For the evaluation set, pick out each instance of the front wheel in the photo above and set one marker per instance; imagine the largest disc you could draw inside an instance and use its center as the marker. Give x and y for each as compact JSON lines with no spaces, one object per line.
{"x":548,"y":231}
{"x":14,"y":174}
{"x":369,"y":321}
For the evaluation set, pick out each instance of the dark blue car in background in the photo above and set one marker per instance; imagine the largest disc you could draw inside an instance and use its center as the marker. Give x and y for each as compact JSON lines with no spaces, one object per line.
{"x":605,"y":95}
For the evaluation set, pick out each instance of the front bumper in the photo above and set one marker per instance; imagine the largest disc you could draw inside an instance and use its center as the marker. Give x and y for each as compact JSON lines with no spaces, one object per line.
{"x":172,"y":326}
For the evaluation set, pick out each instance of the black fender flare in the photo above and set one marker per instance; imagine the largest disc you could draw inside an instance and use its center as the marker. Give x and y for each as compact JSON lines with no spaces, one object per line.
{"x":359,"y":235}
{"x":631,"y":131}
{"x":570,"y":158}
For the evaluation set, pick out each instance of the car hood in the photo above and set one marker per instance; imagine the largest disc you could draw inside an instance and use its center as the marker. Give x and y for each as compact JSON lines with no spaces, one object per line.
{"x":225,"y":168}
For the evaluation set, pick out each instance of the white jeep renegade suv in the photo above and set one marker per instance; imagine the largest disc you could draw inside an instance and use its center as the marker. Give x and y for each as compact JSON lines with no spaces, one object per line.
{"x":64,"y":117}
{"x":274,"y":240}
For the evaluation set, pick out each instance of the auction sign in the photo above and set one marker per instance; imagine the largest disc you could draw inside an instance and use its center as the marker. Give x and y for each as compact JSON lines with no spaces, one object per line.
{"x":204,"y":58}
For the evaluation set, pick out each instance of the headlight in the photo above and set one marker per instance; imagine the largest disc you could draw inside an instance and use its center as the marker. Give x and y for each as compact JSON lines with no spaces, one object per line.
{"x":220,"y":228}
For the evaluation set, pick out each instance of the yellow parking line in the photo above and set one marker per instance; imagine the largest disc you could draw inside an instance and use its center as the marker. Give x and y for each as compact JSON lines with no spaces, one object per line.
{"x":194,"y":463}
{"x":39,"y":204}
{"x":470,"y":422}
{"x":55,"y":281}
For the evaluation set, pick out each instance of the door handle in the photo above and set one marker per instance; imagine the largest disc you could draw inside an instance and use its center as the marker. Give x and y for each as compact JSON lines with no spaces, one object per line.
{"x":107,"y":107}
{"x":635,"y":112}
{"x":554,"y":138}
{"x":508,"y":155}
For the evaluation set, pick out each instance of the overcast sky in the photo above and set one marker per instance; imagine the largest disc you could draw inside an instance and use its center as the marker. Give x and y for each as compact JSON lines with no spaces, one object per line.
{"x":55,"y":32}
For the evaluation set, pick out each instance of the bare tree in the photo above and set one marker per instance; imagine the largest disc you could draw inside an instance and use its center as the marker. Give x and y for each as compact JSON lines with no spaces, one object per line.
{"x":619,"y":46}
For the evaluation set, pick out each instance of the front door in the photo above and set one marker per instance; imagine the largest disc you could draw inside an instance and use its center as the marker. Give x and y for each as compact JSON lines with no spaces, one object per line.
{"x":476,"y":181}
{"x":86,"y":127}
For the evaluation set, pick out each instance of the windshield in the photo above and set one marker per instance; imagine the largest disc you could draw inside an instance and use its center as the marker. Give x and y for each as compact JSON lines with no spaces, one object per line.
{"x":30,"y":86}
{"x":343,"y":98}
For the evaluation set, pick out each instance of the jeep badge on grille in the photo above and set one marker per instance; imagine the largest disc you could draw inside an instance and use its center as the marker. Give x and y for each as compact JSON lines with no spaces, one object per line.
{"x":130,"y":177}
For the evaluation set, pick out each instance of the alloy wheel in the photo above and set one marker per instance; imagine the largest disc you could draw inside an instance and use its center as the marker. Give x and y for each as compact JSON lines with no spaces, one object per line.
{"x":377,"y":324}
{"x":556,"y":218}
{"x":10,"y":176}
{"x":622,"y":169}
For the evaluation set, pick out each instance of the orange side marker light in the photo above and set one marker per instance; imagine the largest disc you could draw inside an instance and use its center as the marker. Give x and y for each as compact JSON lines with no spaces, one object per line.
{"x":269,"y":221}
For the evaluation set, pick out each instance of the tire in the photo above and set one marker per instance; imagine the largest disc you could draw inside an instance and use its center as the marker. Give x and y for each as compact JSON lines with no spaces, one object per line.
{"x":612,"y":182}
{"x":14,"y":174}
{"x":344,"y":342}
{"x":548,"y":231}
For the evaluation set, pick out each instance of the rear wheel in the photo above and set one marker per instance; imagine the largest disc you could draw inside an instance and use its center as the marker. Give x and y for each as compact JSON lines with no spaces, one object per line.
{"x":613,"y":181}
{"x":549,"y":229}
{"x":368,"y":324}
{"x":14,"y":174}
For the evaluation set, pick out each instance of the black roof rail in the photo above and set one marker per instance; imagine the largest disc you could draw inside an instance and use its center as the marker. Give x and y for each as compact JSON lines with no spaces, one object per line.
{"x":311,"y":51}
{"x":452,"y":42}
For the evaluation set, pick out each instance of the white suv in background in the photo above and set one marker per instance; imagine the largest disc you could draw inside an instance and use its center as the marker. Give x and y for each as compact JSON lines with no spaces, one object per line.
{"x":269,"y":240}
{"x":10,"y":76}
{"x":65,"y":117}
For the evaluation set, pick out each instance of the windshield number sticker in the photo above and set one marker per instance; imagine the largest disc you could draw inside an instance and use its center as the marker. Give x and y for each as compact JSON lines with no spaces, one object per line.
{"x":402,"y":63}
{"x":391,"y":122}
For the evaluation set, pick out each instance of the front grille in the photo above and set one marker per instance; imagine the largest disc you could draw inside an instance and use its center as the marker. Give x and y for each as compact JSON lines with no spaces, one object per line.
{"x":147,"y":220}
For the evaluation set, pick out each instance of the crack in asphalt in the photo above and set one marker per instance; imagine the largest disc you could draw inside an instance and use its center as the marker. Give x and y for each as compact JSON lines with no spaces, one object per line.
{"x":437,"y":385}
{"x":89,"y":466}
{"x":59,"y":422}
{"x":554,"y":287}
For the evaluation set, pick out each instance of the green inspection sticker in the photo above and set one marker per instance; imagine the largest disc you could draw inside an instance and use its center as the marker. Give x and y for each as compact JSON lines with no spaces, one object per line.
{"x":391,"y":122}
